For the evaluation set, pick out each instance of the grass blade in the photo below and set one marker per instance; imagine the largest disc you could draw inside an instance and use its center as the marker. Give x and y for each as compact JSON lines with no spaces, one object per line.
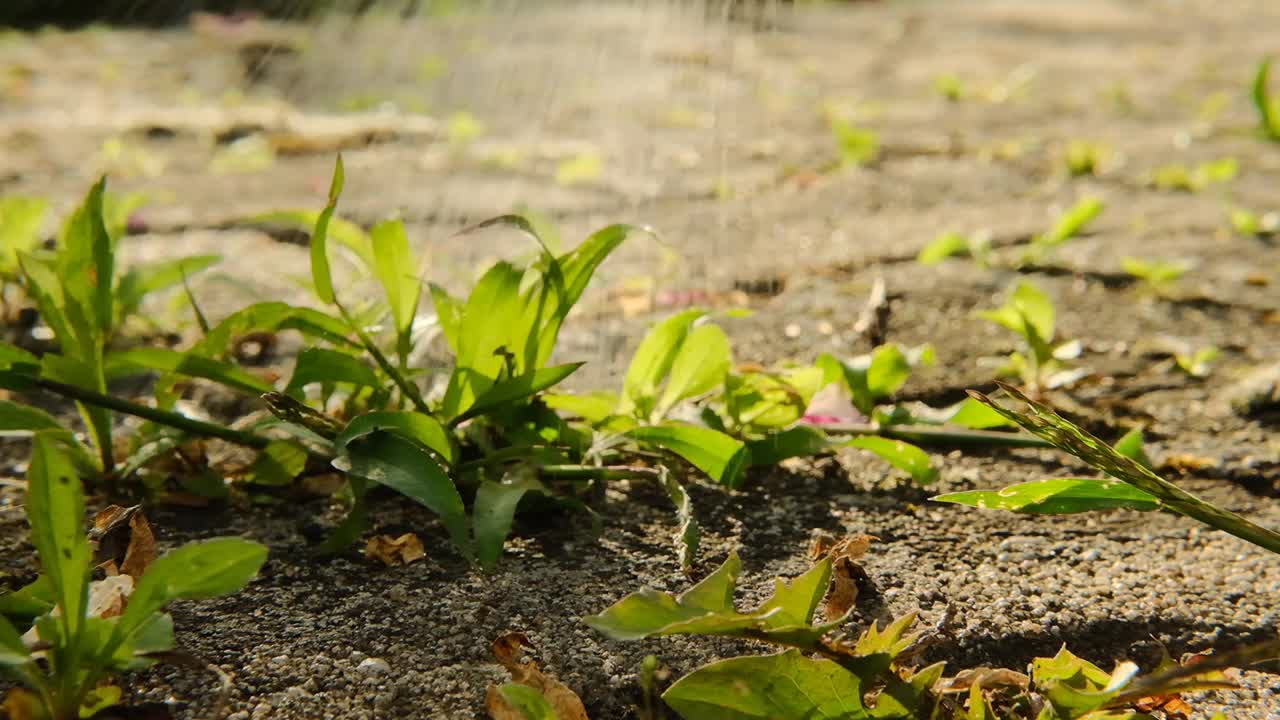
{"x":1066,"y":436}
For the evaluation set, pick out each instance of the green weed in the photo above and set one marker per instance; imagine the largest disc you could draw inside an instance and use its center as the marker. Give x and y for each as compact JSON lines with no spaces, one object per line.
{"x":1268,"y":107}
{"x":72,"y":648}
{"x":822,"y":673}
{"x":1158,"y":277}
{"x":1179,"y":177}
{"x":1134,"y":486}
{"x":1043,"y":362}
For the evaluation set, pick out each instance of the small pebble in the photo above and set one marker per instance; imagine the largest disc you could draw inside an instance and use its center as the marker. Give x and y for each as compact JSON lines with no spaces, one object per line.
{"x":373,"y":665}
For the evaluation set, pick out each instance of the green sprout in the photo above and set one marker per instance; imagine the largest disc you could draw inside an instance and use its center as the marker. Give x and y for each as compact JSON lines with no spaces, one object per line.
{"x":1251,"y":224}
{"x":1068,"y":225}
{"x":1030,"y":313}
{"x":857,"y":146}
{"x":1134,"y":485}
{"x":1083,"y":157}
{"x":821,"y":673}
{"x":1158,"y":277}
{"x":1181,"y":178}
{"x":950,"y":86}
{"x":1268,"y":107}
{"x":1199,"y":363}
{"x":69,"y":651}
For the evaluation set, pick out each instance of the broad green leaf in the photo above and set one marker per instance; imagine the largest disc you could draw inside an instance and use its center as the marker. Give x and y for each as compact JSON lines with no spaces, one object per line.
{"x":449,"y":314}
{"x":652,"y":361}
{"x":13,"y":652}
{"x":394,"y":265}
{"x":320,"y":365}
{"x":706,"y":608}
{"x":484,"y":333}
{"x":787,"y":685}
{"x":593,"y":407}
{"x":794,"y":603}
{"x":1057,"y":496}
{"x":86,"y":260}
{"x":99,"y":699}
{"x":321,"y":276}
{"x":1028,"y":312}
{"x":721,"y":457}
{"x":943,"y":247}
{"x":29,"y":601}
{"x":972,"y":414}
{"x":142,"y":280}
{"x":699,"y":367}
{"x":1041,"y":421}
{"x":904,"y":456}
{"x":415,"y":426}
{"x":799,"y":441}
{"x":400,"y":464}
{"x":528,"y":701}
{"x":15,"y":417}
{"x":20,"y":221}
{"x":495,"y":510}
{"x":185,"y":363}
{"x":55,"y":510}
{"x":518,"y":388}
{"x":12,"y":355}
{"x":1072,"y":685}
{"x":277,"y":464}
{"x":196,"y":571}
{"x":889,"y":369}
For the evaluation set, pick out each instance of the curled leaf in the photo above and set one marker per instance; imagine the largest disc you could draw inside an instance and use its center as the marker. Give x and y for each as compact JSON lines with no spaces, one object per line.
{"x":395,"y":550}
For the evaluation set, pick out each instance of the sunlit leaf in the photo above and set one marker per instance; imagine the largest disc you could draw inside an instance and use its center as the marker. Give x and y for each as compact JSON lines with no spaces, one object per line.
{"x":518,"y":388}
{"x":189,"y":364}
{"x":787,"y":685}
{"x":902,"y":455}
{"x":1057,"y":496}
{"x":400,"y":464}
{"x":395,"y":267}
{"x":699,"y":367}
{"x":652,"y":361}
{"x":321,"y":276}
{"x":321,"y":365}
{"x":721,"y":457}
{"x":420,"y":428}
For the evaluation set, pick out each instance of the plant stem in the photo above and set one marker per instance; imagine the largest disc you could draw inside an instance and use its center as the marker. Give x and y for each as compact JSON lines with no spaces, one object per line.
{"x":406,"y":387}
{"x":590,"y":472}
{"x":156,"y":415}
{"x":942,"y":436}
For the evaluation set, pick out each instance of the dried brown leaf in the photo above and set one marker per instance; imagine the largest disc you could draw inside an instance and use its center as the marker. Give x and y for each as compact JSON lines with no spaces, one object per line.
{"x":506,"y":650}
{"x":125,"y":543}
{"x":983,"y":677}
{"x":395,"y":550}
{"x":845,"y":576}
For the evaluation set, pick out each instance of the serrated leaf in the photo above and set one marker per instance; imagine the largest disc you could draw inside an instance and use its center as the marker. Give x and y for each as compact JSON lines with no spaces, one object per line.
{"x":787,"y":685}
{"x":721,"y":457}
{"x":689,"y":534}
{"x":400,"y":464}
{"x":705,"y":608}
{"x":902,"y":455}
{"x":1056,"y":496}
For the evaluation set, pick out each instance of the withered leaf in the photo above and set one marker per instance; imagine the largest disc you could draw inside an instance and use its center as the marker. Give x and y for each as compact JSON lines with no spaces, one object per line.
{"x":845,"y":576}
{"x":983,"y":677}
{"x":125,"y":543}
{"x":506,"y":650}
{"x":395,"y":550}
